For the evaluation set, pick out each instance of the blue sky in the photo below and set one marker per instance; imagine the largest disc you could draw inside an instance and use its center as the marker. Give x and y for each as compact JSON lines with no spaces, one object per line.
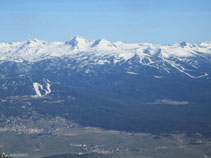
{"x":154,"y":21}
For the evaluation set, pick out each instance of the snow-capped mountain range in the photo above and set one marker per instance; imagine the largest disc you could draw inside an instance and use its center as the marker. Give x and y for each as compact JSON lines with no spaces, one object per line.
{"x":101,"y":51}
{"x":36,"y":50}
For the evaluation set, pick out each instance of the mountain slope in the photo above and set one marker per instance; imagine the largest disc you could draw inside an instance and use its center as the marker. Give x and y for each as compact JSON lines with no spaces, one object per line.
{"x":114,"y":85}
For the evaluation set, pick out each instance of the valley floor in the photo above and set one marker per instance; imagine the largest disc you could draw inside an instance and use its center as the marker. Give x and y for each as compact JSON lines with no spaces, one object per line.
{"x":71,"y":141}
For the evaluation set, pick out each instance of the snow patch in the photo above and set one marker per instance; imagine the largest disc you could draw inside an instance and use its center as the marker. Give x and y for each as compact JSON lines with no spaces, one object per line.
{"x":170,"y":102}
{"x":158,"y":76}
{"x":132,"y":73}
{"x":38,"y":87}
{"x":182,"y":69}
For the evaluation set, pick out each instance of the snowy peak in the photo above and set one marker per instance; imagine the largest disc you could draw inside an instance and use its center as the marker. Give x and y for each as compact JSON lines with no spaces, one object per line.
{"x":76,"y":40}
{"x":206,"y":44}
{"x":34,"y":42}
{"x":183,"y":44}
{"x":78,"y":43}
{"x":103,"y":44}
